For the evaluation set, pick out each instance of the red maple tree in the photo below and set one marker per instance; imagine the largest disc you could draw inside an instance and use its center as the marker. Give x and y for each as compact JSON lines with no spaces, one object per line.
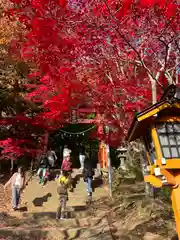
{"x":113,"y":53}
{"x":129,"y":53}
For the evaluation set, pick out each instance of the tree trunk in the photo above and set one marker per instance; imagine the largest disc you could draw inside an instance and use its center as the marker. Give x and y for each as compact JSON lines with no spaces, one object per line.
{"x":154,"y":92}
{"x":46,"y":138}
{"x":32,"y":163}
{"x":12,"y":165}
{"x":177,"y":69}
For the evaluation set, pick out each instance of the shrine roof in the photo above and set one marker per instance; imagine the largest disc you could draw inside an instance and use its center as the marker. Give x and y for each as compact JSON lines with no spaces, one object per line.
{"x":168,"y":105}
{"x":144,"y":119}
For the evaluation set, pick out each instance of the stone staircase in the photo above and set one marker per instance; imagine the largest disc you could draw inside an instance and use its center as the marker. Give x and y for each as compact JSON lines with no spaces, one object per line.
{"x":84,"y":228}
{"x":38,"y":221}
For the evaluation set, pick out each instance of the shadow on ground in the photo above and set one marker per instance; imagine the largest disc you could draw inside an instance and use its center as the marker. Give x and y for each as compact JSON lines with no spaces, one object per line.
{"x":22,"y":209}
{"x":38,"y":202}
{"x":75,"y":180}
{"x":175,"y":237}
{"x":43,"y":219}
{"x":97,"y":182}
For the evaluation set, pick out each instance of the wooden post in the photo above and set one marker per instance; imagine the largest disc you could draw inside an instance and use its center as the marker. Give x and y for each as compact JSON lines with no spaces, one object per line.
{"x":105,"y":159}
{"x":175,"y":197}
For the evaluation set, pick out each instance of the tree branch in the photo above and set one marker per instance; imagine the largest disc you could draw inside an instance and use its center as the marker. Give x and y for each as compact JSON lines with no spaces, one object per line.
{"x":131,"y":46}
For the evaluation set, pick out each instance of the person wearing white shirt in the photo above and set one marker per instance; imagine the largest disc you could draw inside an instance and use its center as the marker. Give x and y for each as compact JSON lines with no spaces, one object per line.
{"x":17,"y":183}
{"x":51,"y":155}
{"x":82,"y":156}
{"x":66,"y":152}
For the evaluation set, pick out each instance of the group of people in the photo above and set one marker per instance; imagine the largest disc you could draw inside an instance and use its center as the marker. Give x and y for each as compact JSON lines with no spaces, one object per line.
{"x":64,"y":180}
{"x":86,"y":166}
{"x":48,"y":161}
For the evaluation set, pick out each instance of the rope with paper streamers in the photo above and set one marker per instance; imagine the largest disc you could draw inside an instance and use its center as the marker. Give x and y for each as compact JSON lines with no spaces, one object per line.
{"x":77,"y":133}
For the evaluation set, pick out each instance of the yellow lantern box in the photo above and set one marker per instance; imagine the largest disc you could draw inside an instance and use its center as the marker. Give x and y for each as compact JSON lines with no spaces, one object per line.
{"x":158,"y":127}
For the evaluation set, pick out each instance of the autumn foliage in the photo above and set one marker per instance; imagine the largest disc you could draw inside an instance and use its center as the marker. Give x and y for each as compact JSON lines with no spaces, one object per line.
{"x":115,"y":56}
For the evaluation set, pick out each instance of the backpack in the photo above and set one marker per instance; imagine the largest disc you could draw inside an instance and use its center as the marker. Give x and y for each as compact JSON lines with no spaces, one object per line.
{"x":62,"y":185}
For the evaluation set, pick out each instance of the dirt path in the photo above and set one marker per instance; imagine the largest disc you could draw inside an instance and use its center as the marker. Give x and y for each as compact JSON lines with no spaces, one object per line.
{"x":130,"y":216}
{"x":40,"y":203}
{"x":39,"y":198}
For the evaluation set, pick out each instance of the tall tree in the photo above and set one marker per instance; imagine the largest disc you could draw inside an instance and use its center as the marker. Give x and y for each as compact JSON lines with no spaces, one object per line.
{"x":18,"y":136}
{"x":114,"y":53}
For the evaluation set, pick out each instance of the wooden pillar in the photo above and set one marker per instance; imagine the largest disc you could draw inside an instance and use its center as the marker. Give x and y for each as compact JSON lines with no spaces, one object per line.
{"x":175,"y":197}
{"x":105,"y":155}
{"x":102,"y":153}
{"x":103,"y":160}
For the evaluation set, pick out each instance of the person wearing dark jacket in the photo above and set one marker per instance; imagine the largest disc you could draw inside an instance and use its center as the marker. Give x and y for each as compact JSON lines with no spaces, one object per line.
{"x":88,"y":173}
{"x":43,"y":169}
{"x":44,"y":162}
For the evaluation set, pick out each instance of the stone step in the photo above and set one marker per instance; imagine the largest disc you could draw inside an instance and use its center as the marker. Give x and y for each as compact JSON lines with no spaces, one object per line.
{"x":93,"y":228}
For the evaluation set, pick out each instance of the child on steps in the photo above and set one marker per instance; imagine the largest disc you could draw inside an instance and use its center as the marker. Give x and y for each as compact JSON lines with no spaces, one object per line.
{"x":62,"y":189}
{"x":67,"y":167}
